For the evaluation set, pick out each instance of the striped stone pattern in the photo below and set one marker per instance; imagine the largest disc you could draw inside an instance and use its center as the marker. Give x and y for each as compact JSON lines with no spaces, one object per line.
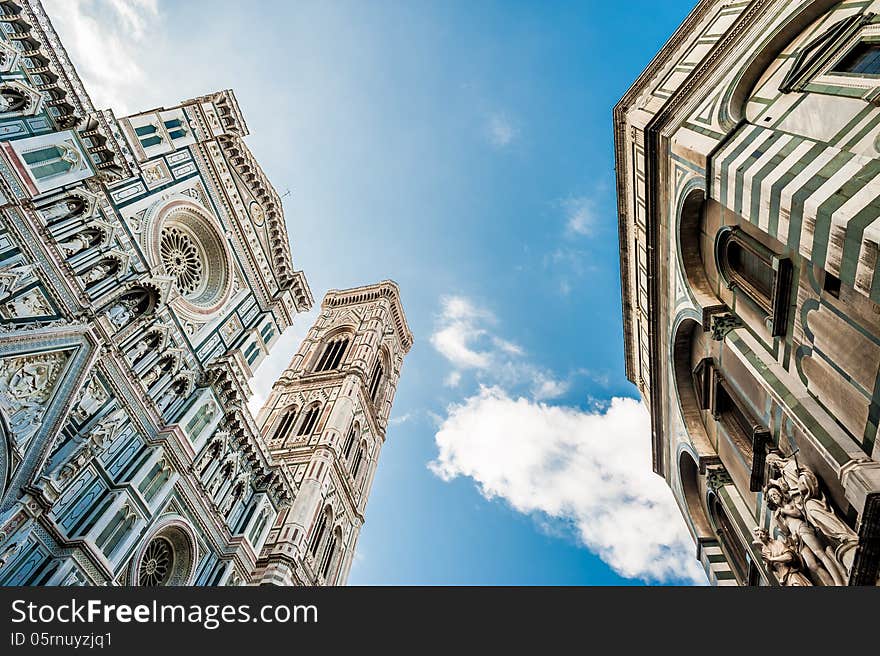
{"x":715,"y":563}
{"x":821,"y":201}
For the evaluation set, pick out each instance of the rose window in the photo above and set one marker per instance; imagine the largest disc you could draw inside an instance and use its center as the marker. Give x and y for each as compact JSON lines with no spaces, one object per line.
{"x":157,"y":563}
{"x":181,"y":259}
{"x":194,"y":255}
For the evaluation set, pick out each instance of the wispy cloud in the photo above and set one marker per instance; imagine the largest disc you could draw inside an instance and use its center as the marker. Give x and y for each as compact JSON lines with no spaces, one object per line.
{"x":466,"y":336}
{"x":501,"y":130}
{"x":397,"y":421}
{"x":106,"y":40}
{"x":580,"y":215}
{"x":589,"y":470}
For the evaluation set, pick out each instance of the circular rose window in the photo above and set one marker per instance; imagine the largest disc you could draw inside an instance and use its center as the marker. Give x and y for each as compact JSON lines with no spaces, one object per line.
{"x":193,"y":254}
{"x":157,"y":563}
{"x":182,"y":259}
{"x":167,"y":559}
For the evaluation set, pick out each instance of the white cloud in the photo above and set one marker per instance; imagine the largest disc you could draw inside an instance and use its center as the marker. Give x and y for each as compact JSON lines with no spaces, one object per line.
{"x":580,"y":215}
{"x":106,"y":39}
{"x":501,"y":131}
{"x":591,"y":470}
{"x":465,"y":337}
{"x":459,"y":331}
{"x":397,"y":421}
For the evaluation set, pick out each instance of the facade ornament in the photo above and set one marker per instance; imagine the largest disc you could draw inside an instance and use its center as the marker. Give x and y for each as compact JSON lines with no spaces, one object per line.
{"x":90,"y":400}
{"x":717,"y":477}
{"x":721,"y":324}
{"x":81,"y":241}
{"x":781,"y":558}
{"x":802,"y":485}
{"x":32,"y":304}
{"x":789,"y":518}
{"x":13,"y":276}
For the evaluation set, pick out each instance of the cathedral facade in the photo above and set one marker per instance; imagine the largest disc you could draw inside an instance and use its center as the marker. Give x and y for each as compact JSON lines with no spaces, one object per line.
{"x":145,"y":273}
{"x":747,"y":158}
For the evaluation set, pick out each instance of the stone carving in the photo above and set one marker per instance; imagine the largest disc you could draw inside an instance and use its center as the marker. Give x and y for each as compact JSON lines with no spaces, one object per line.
{"x":92,"y":397}
{"x":802,"y":513}
{"x":31,"y":304}
{"x":13,"y":276}
{"x":721,"y":324}
{"x":782,"y":559}
{"x":98,"y":272}
{"x":72,"y":456}
{"x":26,"y":384}
{"x":65,"y":208}
{"x":79,"y":242}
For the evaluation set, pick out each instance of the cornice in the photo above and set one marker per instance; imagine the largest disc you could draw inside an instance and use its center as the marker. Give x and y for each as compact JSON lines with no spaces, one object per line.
{"x":389,"y":289}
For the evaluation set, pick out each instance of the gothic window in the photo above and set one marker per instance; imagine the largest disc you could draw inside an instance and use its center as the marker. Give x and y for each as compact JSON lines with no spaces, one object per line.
{"x":350,"y":440}
{"x":116,"y":530}
{"x":285,"y":423}
{"x":157,"y":477}
{"x":376,"y":380}
{"x":176,"y":129}
{"x":200,"y":419}
{"x":329,"y":554}
{"x":320,"y":530}
{"x":259,"y":525}
{"x":333,"y":353}
{"x":310,"y":418}
{"x":358,"y":460}
{"x":762,"y":276}
{"x":252,"y":353}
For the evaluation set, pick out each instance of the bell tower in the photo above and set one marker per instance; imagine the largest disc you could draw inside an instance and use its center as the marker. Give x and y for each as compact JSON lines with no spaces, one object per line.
{"x":325,"y":422}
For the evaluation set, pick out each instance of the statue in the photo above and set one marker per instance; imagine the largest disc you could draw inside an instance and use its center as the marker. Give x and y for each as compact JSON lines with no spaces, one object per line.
{"x":781,"y":558}
{"x":793,"y":525}
{"x":78,"y":243}
{"x":138,"y":352}
{"x":97,"y":273}
{"x":801,"y":486}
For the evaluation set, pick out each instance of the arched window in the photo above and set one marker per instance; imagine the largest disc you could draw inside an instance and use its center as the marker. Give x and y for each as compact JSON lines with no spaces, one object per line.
{"x":310,"y":418}
{"x":320,"y":530}
{"x":376,"y":379}
{"x":358,"y":460}
{"x":285,"y":423}
{"x":731,"y":544}
{"x":330,"y":554}
{"x":763,"y":276}
{"x":350,"y":440}
{"x":334,"y":351}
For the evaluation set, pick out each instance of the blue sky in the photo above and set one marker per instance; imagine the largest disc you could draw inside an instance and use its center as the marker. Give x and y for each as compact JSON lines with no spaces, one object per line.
{"x":463,"y":149}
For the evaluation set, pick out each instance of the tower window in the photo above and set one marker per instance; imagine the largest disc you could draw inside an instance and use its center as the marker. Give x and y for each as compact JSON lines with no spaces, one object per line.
{"x":349,"y":441}
{"x":309,"y":420}
{"x":285,"y":424}
{"x":376,"y":380}
{"x":358,"y":459}
{"x":320,"y":530}
{"x":863,"y":59}
{"x":333,"y":353}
